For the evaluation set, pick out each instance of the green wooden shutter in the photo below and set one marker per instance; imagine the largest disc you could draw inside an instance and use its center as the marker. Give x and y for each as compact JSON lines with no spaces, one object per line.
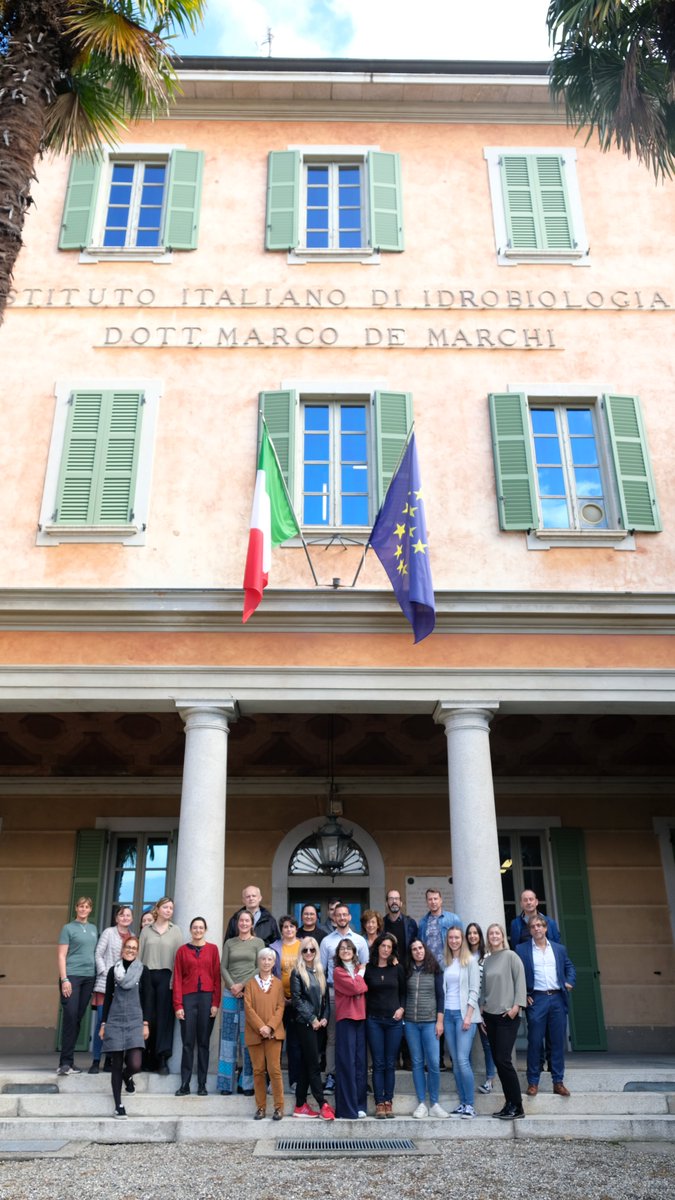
{"x":90,"y":851}
{"x":637,"y":494}
{"x":80,"y":203}
{"x":184,"y":188}
{"x":514,"y":468}
{"x":280,"y":412}
{"x":587,"y":1023}
{"x":536,"y":204}
{"x":393,"y":416}
{"x":386,"y":201}
{"x":283,"y":200}
{"x":100,"y":458}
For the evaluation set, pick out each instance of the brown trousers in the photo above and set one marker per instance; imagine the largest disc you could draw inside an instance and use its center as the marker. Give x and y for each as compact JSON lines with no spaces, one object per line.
{"x":266,"y":1057}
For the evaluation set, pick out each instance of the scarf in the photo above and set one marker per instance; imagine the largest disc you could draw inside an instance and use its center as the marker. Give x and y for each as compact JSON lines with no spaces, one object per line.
{"x":127,"y":976}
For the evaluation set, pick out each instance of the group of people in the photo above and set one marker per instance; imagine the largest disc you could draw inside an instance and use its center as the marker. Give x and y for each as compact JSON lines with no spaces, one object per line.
{"x":332,"y":995}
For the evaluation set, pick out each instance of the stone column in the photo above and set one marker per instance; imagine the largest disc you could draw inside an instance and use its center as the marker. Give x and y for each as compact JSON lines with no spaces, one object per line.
{"x":473,"y":819}
{"x":200,"y":861}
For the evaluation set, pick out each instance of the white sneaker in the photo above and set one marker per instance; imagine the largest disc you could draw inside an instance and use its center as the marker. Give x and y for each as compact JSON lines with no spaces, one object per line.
{"x":469,"y":1112}
{"x":420,"y":1111}
{"x":437,"y":1111}
{"x":361,"y":1115}
{"x":486,"y":1087}
{"x":457,"y":1112}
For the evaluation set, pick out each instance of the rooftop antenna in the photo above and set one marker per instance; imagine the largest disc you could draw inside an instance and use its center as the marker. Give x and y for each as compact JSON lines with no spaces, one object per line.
{"x":267,"y":42}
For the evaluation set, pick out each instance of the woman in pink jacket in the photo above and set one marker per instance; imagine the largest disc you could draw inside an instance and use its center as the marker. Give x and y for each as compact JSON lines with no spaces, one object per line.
{"x":350,"y":1032}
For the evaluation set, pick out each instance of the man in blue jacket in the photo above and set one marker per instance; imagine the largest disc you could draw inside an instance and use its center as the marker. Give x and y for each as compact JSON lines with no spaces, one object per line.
{"x":549,"y":976}
{"x":520,"y":926}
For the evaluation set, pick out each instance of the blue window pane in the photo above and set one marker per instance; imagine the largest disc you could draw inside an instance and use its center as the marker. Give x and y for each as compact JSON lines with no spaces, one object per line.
{"x":124,"y":890}
{"x":317,"y":241}
{"x":317,"y":197}
{"x":350,"y":197}
{"x":547,"y":450}
{"x":315,"y":477}
{"x":157,"y":853}
{"x":114,"y":237}
{"x":317,"y":218}
{"x":580,"y":421}
{"x":354,"y":447}
{"x":316,"y":447}
{"x":154,"y":174}
{"x":123,"y":173}
{"x":155,"y":887}
{"x":317,"y":175}
{"x":551,"y":481}
{"x":554,"y":514}
{"x":148,"y":218}
{"x":543,"y":420}
{"x":588,"y":481}
{"x":147,"y":237}
{"x":351,"y":219}
{"x":353,"y":417}
{"x":584,"y":452}
{"x":350,"y":175}
{"x":354,"y":479}
{"x":349,"y":240}
{"x":316,"y":417}
{"x":119,"y":193}
{"x":313,"y":513}
{"x":152,"y":196}
{"x":355,"y":510}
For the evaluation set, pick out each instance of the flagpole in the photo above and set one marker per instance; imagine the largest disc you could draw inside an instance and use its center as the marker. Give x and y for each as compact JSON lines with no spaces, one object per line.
{"x":290,"y":502}
{"x":367,"y":545}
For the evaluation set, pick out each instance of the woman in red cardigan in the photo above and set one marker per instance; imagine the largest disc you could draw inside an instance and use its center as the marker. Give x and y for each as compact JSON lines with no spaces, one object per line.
{"x":350,"y":1032}
{"x":196,"y":1000}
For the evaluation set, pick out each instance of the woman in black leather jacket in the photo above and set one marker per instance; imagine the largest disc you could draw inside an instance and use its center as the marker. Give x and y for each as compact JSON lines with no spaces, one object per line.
{"x":311,"y":1005}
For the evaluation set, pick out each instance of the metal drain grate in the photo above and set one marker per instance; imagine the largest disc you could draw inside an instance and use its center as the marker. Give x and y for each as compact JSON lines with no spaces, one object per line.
{"x":318,"y":1147}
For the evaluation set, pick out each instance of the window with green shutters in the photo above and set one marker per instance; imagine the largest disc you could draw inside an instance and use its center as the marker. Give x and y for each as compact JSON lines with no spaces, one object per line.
{"x":572,"y":465}
{"x":97,"y":482}
{"x":339,"y":201}
{"x":337,"y":452}
{"x":139,"y":203}
{"x":536,"y":205}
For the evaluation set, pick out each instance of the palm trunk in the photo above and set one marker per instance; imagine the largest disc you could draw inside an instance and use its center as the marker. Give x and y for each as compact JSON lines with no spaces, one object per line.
{"x":29,"y":73}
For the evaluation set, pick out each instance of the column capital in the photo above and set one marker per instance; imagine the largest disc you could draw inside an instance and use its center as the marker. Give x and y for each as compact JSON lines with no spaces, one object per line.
{"x":208,"y":714}
{"x":465,"y":715}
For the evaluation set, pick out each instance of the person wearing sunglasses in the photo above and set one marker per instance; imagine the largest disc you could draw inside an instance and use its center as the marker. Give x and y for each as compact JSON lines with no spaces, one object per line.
{"x":311,"y":1008}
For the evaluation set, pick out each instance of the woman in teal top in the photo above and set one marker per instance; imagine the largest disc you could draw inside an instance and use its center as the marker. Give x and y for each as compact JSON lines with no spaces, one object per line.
{"x":77,"y":975}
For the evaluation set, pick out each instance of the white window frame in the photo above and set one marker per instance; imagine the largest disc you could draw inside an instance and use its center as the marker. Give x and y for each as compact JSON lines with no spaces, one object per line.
{"x":307,"y":391}
{"x":323,"y":155}
{"x":139,"y":153}
{"x":546,"y":539}
{"x":49,"y":533}
{"x":508,"y":257}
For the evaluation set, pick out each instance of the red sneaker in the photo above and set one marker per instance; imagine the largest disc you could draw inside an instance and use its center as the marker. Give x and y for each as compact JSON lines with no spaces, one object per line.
{"x":303,"y":1110}
{"x":326,"y":1112}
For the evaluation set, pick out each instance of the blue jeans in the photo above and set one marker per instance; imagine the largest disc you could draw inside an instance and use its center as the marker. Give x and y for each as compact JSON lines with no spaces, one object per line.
{"x":490,"y":1068}
{"x":384,"y":1041}
{"x":423,"y":1046}
{"x":459,"y":1042}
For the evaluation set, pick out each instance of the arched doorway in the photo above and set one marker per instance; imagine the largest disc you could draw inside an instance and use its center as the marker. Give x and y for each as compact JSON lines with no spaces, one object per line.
{"x":357,"y":887}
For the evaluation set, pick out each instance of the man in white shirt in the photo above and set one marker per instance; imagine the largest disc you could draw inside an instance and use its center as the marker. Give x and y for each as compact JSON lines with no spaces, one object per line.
{"x":549,"y":975}
{"x":343,"y":929}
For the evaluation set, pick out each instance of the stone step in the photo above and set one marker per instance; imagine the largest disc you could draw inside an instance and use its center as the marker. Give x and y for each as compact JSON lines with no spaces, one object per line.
{"x":144,"y":1104}
{"x":237,"y":1129}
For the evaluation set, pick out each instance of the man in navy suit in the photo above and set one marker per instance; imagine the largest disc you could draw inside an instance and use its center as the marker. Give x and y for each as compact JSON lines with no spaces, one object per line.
{"x":549,"y":976}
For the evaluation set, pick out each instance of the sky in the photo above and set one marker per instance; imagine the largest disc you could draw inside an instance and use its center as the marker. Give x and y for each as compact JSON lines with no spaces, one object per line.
{"x":446,"y":29}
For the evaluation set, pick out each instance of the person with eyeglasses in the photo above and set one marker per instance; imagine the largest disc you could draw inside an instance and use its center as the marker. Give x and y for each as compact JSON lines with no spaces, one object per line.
{"x":127,"y":1011}
{"x":311,"y":1008}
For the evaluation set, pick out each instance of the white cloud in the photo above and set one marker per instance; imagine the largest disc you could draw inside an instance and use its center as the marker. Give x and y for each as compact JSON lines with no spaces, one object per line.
{"x":443,"y":29}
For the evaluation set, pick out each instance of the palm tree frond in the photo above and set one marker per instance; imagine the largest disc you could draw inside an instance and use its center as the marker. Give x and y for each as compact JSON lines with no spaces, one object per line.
{"x":172,"y":17}
{"x":82,"y":120}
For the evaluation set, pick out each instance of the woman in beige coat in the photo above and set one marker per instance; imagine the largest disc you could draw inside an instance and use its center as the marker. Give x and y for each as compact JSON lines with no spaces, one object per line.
{"x":264,"y":1033}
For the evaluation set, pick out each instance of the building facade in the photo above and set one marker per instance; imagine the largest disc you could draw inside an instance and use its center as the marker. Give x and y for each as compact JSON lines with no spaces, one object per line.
{"x":346,"y":248}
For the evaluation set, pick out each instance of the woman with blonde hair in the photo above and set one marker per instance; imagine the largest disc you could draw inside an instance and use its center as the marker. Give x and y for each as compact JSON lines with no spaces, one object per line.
{"x":159,"y":945}
{"x":461,"y":985}
{"x":502,"y":995}
{"x":311,"y":1008}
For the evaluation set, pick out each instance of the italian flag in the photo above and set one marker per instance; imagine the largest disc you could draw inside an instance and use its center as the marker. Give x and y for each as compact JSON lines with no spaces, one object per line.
{"x":272,"y":522}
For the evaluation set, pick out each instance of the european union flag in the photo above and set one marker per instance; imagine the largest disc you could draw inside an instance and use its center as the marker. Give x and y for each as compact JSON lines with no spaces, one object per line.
{"x":399,"y":538}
